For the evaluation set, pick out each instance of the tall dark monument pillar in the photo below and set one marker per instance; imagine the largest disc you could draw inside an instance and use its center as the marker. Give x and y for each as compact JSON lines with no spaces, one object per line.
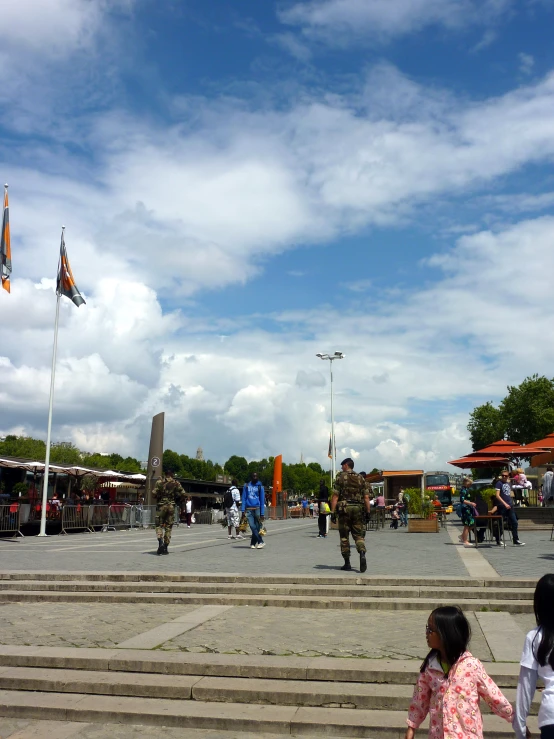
{"x":155,"y":456}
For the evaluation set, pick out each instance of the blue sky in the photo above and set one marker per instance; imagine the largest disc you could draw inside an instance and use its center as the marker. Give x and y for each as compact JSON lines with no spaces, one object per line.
{"x":247,"y":183}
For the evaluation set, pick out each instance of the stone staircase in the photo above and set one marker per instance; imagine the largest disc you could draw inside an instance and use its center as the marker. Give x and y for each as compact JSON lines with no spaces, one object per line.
{"x":281,"y":695}
{"x":337,"y":592}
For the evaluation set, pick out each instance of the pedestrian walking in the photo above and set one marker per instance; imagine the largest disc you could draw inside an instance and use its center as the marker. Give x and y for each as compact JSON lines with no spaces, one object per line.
{"x":467,"y":511}
{"x":231,"y":503}
{"x":167,"y":492}
{"x":451,"y":681}
{"x":304,"y":504}
{"x":253,"y":504}
{"x":350,"y":500}
{"x":402,"y":507}
{"x":505,"y":506}
{"x":323,"y":509}
{"x":537,"y":661}
{"x":188,"y":511}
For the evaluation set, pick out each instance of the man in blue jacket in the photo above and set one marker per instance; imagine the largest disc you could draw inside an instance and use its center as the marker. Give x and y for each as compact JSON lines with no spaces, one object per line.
{"x":253,"y":504}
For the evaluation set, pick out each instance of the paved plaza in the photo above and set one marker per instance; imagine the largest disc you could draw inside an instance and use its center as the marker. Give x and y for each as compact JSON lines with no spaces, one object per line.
{"x":292,"y":548}
{"x":277,"y":635}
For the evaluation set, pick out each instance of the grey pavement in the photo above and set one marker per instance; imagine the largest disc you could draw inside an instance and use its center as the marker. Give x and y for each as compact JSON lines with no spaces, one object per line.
{"x":292,"y":548}
{"x":25,"y":729}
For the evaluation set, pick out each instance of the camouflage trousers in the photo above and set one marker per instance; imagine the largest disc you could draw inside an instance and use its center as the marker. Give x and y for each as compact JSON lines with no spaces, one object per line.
{"x":352,"y":521}
{"x":165,"y":517}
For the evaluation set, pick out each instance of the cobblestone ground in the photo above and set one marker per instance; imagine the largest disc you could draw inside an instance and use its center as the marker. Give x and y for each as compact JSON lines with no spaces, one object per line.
{"x":291,"y":631}
{"x":299,"y":632}
{"x":80,"y":625}
{"x":20,"y":729}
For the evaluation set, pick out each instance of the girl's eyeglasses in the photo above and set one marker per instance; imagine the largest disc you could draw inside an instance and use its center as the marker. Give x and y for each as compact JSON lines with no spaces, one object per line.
{"x":429,"y":630}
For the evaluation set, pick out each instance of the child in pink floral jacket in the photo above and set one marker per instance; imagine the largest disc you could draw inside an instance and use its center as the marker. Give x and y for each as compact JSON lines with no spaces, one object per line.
{"x":452,"y":681}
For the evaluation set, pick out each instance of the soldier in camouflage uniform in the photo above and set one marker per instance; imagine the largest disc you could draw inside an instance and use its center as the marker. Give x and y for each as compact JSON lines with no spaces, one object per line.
{"x":351,"y":501}
{"x":167,"y":492}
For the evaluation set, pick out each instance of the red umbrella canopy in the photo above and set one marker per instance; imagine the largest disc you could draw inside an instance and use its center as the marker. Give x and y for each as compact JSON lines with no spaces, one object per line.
{"x":469,"y":461}
{"x":542,"y":444}
{"x":498,"y":449}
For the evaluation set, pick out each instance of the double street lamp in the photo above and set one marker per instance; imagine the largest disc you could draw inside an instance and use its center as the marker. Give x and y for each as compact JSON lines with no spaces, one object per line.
{"x":331,"y":358}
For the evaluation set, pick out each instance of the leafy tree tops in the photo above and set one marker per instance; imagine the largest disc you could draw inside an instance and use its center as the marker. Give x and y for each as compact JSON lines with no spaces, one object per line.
{"x":524,"y":415}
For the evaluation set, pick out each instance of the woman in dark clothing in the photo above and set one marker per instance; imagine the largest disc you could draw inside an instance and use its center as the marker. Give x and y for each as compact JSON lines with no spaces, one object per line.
{"x":467,"y":513}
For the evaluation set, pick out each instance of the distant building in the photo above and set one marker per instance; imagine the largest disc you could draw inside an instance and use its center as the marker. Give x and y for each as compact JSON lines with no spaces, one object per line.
{"x":200,"y":454}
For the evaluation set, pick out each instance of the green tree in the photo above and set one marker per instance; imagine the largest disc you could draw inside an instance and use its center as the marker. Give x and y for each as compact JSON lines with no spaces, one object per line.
{"x":64,"y":452}
{"x":486,"y":425}
{"x":237,"y":467}
{"x":23,"y":446}
{"x":528,"y":410}
{"x":171,"y":463}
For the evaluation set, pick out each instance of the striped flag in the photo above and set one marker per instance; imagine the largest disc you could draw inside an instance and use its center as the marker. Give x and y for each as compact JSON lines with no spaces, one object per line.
{"x":5,"y":247}
{"x":66,"y":284}
{"x":330,"y":452}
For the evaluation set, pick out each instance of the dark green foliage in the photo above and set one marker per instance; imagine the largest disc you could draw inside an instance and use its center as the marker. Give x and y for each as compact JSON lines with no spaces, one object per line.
{"x":526,"y":414}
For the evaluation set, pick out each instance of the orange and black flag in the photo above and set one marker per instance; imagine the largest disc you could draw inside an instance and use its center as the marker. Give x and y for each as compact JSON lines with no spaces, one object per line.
{"x":66,"y":284}
{"x":5,"y":247}
{"x":330,"y":452}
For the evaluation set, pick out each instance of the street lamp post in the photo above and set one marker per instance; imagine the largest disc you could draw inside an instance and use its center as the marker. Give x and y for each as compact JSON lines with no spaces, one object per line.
{"x":331,"y":358}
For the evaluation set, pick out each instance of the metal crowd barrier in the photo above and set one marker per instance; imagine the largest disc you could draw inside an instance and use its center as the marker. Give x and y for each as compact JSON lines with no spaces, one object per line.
{"x":143,"y":516}
{"x":98,"y":516}
{"x":205,"y":517}
{"x":9,"y":519}
{"x":75,"y":517}
{"x":120,"y":516}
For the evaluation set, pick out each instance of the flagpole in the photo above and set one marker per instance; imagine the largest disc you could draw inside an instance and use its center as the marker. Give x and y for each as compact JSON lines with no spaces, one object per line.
{"x":50,"y":406}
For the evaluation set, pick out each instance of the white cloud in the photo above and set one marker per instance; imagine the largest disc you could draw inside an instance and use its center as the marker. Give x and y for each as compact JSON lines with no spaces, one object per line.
{"x":526,"y":63}
{"x":56,"y":27}
{"x":166,"y":204}
{"x":335,"y":21}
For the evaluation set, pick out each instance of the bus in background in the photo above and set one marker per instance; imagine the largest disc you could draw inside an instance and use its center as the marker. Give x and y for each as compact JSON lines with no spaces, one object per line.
{"x":439,"y":483}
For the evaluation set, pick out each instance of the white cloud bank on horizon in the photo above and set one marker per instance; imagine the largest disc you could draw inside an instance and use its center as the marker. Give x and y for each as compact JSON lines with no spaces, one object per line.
{"x":449,"y":345}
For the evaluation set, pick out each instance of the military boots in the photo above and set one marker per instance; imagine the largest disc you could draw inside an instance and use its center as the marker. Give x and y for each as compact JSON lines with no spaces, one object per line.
{"x":164,"y":549}
{"x":363,"y":563}
{"x":160,"y":546}
{"x":346,"y":565}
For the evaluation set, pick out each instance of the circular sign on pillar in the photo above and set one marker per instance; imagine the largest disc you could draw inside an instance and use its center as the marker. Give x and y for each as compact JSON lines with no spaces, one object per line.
{"x":155,"y":462}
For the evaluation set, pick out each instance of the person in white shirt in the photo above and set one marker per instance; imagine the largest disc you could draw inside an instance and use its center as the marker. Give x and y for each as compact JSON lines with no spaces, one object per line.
{"x":537,"y":661}
{"x":188,"y":511}
{"x":231,"y":501}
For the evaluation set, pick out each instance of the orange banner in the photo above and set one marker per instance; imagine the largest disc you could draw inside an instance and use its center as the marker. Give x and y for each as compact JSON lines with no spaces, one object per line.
{"x":277,"y":479}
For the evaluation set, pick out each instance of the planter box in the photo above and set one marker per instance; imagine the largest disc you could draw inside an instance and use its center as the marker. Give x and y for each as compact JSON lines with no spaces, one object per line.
{"x":423,"y":526}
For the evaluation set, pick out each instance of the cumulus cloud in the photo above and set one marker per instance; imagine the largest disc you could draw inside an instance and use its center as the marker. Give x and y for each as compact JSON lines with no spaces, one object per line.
{"x":56,"y":27}
{"x":241,"y":185}
{"x":336,"y":21}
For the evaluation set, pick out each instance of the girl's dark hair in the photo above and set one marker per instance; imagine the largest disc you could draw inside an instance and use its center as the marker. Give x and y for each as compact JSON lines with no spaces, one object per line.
{"x":544,"y":615}
{"x":454,"y":632}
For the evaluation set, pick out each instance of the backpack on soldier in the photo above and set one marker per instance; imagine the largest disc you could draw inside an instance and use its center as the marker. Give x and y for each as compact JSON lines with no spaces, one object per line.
{"x":353,"y":490}
{"x":228,"y":499}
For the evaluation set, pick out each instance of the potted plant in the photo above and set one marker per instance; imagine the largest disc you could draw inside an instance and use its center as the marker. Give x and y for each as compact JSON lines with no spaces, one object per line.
{"x":422,"y":518}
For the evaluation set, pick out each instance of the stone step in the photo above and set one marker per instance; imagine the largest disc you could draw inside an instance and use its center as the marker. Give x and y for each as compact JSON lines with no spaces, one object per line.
{"x":246,"y":578}
{"x":277,"y":601}
{"x":367,"y":696}
{"x":220,"y":716}
{"x":155,"y":662}
{"x":340,"y":591}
